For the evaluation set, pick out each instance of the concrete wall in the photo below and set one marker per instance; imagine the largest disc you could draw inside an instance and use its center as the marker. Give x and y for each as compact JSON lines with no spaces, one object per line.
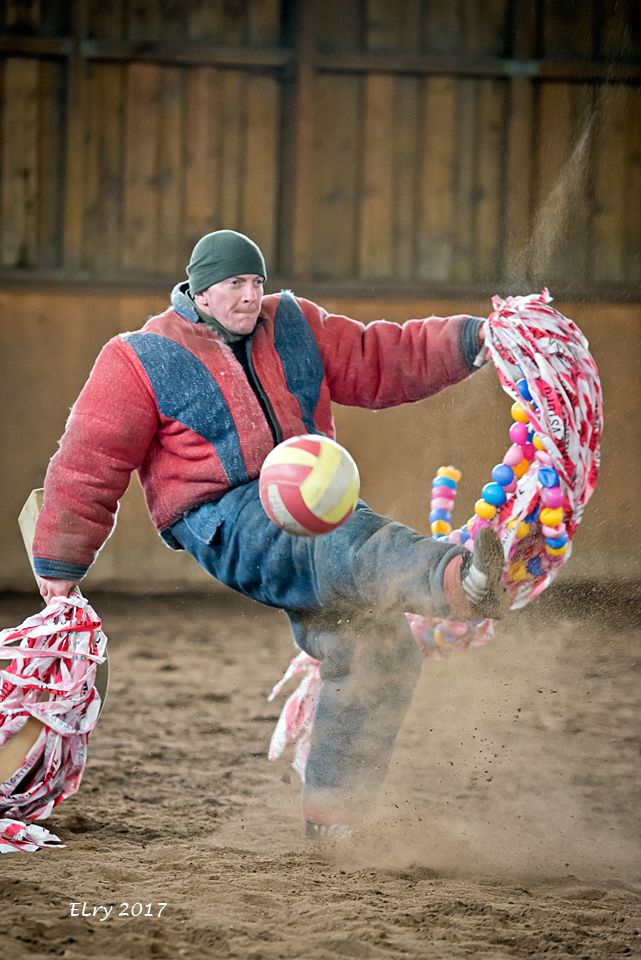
{"x":48,"y":342}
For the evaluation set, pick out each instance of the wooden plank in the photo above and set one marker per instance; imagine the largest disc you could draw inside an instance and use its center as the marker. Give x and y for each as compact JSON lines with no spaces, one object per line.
{"x":75,"y":105}
{"x":106,"y":21}
{"x":376,"y":221}
{"x":142,"y":142}
{"x":339,"y":29}
{"x":234,"y":157}
{"x":264,"y":23}
{"x":610,"y":198}
{"x":406,"y":154}
{"x":620,"y":35}
{"x":467,"y":131}
{"x":303,"y":133}
{"x":485,"y":27}
{"x":489,"y":193}
{"x":23,"y":14}
{"x":204,"y":20}
{"x":171,"y":245}
{"x":260,"y":186}
{"x":525,"y":17}
{"x":20,"y":163}
{"x":560,"y":238}
{"x":143,"y":20}
{"x":443,"y":27}
{"x":50,"y":137}
{"x":519,"y":184}
{"x":332,"y":188}
{"x":382,"y":23}
{"x":104,"y":168}
{"x":203,"y":149}
{"x":633,"y":186}
{"x":568,"y":29}
{"x":435,"y":245}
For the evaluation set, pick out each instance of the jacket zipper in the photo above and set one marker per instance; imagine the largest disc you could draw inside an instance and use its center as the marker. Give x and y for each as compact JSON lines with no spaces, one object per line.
{"x":278,"y":433}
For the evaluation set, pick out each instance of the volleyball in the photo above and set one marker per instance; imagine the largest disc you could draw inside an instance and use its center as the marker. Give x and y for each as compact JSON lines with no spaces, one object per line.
{"x":309,"y":485}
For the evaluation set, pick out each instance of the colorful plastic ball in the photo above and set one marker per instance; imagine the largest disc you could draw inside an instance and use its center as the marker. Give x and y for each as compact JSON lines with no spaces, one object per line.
{"x":439,"y":515}
{"x":552,"y":496}
{"x":441,"y":491}
{"x":518,"y":413}
{"x":494,"y":493}
{"x":511,"y":487}
{"x":442,"y":503}
{"x":441,"y":526}
{"x":523,"y":388}
{"x":308,"y":485}
{"x":513,"y":456}
{"x":532,"y":515}
{"x":548,"y":477}
{"x":544,"y":458}
{"x":464,"y":534}
{"x":517,"y":571}
{"x":551,"y":517}
{"x":534,"y":567}
{"x":484,"y":510}
{"x":557,"y":541}
{"x":503,"y":474}
{"x":556,"y":552}
{"x":521,"y":468}
{"x":538,"y":442}
{"x":439,"y":481}
{"x":477,"y":524}
{"x":450,"y":472}
{"x":518,"y":433}
{"x":553,"y":531}
{"x":529,"y":451}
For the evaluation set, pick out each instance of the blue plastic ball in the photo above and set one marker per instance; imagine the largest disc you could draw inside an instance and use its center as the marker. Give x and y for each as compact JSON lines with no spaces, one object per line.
{"x":548,"y":477}
{"x":465,"y":534}
{"x":503,"y":474}
{"x":534,"y":567}
{"x":440,"y":514}
{"x":523,"y":388}
{"x":533,"y":515}
{"x":559,"y":541}
{"x":494,"y":493}
{"x":444,"y":482}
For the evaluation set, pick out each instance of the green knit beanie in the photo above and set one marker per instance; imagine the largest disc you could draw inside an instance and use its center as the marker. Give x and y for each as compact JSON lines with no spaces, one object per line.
{"x":220,"y":255}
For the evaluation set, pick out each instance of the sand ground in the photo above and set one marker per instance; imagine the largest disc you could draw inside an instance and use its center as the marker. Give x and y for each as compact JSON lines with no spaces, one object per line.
{"x":509,"y":825}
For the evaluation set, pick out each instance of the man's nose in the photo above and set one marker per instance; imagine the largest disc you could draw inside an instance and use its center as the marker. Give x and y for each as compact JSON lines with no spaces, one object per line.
{"x":250,"y":293}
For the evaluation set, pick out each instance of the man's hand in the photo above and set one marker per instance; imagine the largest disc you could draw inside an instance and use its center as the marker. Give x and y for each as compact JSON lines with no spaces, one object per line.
{"x":55,"y":588}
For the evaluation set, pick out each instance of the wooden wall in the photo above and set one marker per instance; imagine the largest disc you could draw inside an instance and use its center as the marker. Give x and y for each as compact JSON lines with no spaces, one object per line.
{"x":411,"y":144}
{"x":49,"y":340}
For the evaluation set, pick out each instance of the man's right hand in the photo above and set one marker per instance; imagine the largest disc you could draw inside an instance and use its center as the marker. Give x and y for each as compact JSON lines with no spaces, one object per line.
{"x":55,"y":588}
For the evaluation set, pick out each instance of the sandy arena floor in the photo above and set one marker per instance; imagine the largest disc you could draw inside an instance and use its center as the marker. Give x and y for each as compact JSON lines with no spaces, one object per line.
{"x":509,"y":828}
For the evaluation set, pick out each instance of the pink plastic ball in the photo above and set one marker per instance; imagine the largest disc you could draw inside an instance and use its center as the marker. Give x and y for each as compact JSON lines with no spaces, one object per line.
{"x":552,"y":531}
{"x":444,"y":493}
{"x":529,"y":451}
{"x":514,"y":455}
{"x":544,"y":458}
{"x":441,"y":503}
{"x":518,"y":434}
{"x":511,"y":487}
{"x":552,"y":497}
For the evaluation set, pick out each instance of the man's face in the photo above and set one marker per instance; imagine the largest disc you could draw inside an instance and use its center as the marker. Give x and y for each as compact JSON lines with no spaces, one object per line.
{"x":234,"y":302}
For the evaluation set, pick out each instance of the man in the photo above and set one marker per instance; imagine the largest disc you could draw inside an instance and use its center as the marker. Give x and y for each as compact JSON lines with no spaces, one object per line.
{"x":194,"y":401}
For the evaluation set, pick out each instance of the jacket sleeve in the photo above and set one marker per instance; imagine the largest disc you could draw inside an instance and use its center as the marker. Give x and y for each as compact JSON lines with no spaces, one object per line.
{"x":384,"y":364}
{"x":107,"y":435}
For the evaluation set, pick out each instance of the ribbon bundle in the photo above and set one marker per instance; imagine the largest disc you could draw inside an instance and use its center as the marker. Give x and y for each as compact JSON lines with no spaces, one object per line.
{"x":51,"y":677}
{"x":529,"y":343}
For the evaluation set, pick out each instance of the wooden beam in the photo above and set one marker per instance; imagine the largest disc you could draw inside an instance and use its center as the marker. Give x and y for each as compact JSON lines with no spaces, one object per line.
{"x":194,"y":52}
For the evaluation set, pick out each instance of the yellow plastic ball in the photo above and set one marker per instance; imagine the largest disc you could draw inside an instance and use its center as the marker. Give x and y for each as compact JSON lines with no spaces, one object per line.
{"x":538,"y":442}
{"x":441,"y":526}
{"x":450,"y":472}
{"x":522,"y":530}
{"x":518,"y":571}
{"x":521,"y":468}
{"x":551,"y":517}
{"x":470,"y":523}
{"x":556,"y":551}
{"x":518,"y":412}
{"x":484,"y":510}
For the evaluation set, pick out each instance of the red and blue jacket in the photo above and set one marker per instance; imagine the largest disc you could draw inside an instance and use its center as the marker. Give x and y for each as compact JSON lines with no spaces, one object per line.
{"x":173,"y":402}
